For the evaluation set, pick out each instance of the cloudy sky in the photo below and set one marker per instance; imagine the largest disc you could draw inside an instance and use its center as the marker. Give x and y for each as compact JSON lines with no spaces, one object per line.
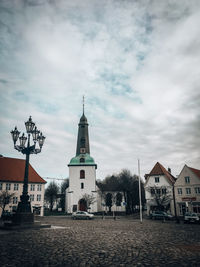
{"x":136,"y":62}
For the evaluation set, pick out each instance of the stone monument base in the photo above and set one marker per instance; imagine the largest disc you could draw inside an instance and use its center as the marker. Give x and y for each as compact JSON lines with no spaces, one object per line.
{"x":23,"y":217}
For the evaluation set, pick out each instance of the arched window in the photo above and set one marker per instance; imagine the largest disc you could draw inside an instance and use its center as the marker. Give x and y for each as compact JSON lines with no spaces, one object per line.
{"x":82,"y":174}
{"x":118,"y":199}
{"x":82,"y":160}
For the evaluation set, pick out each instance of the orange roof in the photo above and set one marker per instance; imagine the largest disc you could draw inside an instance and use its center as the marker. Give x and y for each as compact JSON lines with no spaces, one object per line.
{"x":12,"y":170}
{"x":158,"y":169}
{"x":195,"y":171}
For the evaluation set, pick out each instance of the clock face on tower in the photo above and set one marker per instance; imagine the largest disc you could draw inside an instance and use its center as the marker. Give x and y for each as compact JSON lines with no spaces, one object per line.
{"x":82,"y":150}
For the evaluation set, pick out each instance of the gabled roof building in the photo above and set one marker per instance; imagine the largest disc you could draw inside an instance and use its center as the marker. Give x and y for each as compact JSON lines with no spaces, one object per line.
{"x":187,"y":191}
{"x":159,"y":189}
{"x":11,"y":180}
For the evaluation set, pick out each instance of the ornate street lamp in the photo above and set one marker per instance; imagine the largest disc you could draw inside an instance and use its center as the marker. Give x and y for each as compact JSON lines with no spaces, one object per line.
{"x":24,"y":213}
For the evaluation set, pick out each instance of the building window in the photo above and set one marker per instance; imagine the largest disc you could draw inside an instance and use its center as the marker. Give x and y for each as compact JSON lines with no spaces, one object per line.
{"x":82,"y":185}
{"x":188,"y":191}
{"x":164,"y":191}
{"x":38,"y":197}
{"x":8,"y":186}
{"x":14,"y":200}
{"x":82,"y":150}
{"x":179,"y":190}
{"x":82,"y":160}
{"x":157,"y":180}
{"x":187,"y":179}
{"x":197,"y":190}
{"x":158,"y":191}
{"x":1,"y":186}
{"x":16,"y":187}
{"x":31,"y":197}
{"x":82,"y":174}
{"x":39,"y":187}
{"x":152,"y":191}
{"x":196,"y":209}
{"x":32,"y":187}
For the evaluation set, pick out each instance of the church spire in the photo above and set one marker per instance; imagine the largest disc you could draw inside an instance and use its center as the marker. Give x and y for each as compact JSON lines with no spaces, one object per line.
{"x":83,"y":104}
{"x":83,"y":135}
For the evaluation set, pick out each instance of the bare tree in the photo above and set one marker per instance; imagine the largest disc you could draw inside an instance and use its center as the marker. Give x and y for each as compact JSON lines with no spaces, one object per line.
{"x":89,"y":199}
{"x":5,"y":199}
{"x":161,"y":195}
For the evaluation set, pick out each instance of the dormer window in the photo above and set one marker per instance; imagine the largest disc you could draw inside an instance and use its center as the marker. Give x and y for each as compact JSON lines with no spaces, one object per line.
{"x":82,"y":160}
{"x":82,"y":174}
{"x":157,"y":180}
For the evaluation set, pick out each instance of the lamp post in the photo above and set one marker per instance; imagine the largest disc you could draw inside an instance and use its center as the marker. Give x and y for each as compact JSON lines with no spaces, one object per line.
{"x":174,"y":200}
{"x":24,"y":213}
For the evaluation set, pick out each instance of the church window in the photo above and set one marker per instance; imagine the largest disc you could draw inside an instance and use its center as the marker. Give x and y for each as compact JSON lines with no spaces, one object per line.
{"x":82,"y":185}
{"x":82,"y":174}
{"x":82,"y":160}
{"x":82,"y":150}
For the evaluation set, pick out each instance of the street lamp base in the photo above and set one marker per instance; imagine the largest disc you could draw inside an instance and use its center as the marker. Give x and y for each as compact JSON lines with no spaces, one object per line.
{"x":23,"y":218}
{"x":23,"y":214}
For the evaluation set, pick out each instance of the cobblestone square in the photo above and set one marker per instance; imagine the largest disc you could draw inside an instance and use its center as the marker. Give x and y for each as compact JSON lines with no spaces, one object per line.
{"x":121,"y":242}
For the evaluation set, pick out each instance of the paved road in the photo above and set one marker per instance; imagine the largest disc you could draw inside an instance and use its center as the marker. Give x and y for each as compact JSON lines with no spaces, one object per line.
{"x":124,"y":242}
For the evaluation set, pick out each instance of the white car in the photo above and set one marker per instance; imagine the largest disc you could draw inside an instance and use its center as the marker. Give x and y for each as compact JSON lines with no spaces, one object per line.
{"x":82,"y":215}
{"x":191,"y":217}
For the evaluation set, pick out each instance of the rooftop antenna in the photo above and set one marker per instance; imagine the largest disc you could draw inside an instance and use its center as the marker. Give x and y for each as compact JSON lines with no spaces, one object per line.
{"x":83,"y":104}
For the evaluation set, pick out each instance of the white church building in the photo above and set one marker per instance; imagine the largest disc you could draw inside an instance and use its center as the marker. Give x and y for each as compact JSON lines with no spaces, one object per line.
{"x":82,"y":173}
{"x":82,"y":177}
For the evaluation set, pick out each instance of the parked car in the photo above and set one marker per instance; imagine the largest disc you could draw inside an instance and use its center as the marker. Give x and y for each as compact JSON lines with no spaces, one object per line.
{"x":160,"y":215}
{"x":191,"y":217}
{"x":82,"y":215}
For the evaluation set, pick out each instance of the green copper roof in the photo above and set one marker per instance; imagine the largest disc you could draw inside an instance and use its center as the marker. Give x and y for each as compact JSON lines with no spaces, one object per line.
{"x":82,"y":159}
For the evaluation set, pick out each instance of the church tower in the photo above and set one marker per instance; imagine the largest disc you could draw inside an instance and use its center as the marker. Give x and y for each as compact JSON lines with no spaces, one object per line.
{"x":82,"y":172}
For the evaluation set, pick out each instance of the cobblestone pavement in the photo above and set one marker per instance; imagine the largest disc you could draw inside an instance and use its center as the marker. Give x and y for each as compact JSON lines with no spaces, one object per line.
{"x":121,"y":242}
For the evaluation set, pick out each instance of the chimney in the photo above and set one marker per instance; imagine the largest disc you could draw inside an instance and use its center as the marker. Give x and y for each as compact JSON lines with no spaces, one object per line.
{"x":169,"y":170}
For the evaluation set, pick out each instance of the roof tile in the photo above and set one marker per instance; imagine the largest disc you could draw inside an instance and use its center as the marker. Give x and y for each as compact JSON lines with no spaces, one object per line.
{"x":158,"y":169}
{"x":195,"y":171}
{"x":12,"y":170}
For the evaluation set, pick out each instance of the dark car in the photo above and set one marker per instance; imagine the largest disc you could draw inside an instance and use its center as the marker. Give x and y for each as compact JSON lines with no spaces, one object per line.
{"x":160,"y":215}
{"x":6,"y":215}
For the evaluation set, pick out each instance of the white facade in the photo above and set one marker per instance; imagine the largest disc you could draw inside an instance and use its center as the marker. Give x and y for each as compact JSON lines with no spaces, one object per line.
{"x":187,"y":191}
{"x":116,"y":207}
{"x":35,"y":191}
{"x":162,"y":184}
{"x":159,"y":185}
{"x":79,"y":186}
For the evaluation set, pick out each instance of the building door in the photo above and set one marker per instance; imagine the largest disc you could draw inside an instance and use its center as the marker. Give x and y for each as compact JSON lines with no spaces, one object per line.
{"x":182,"y":209}
{"x":82,"y":205}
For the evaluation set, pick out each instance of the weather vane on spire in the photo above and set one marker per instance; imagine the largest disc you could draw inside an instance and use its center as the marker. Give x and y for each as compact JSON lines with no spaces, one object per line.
{"x":83,"y":103}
